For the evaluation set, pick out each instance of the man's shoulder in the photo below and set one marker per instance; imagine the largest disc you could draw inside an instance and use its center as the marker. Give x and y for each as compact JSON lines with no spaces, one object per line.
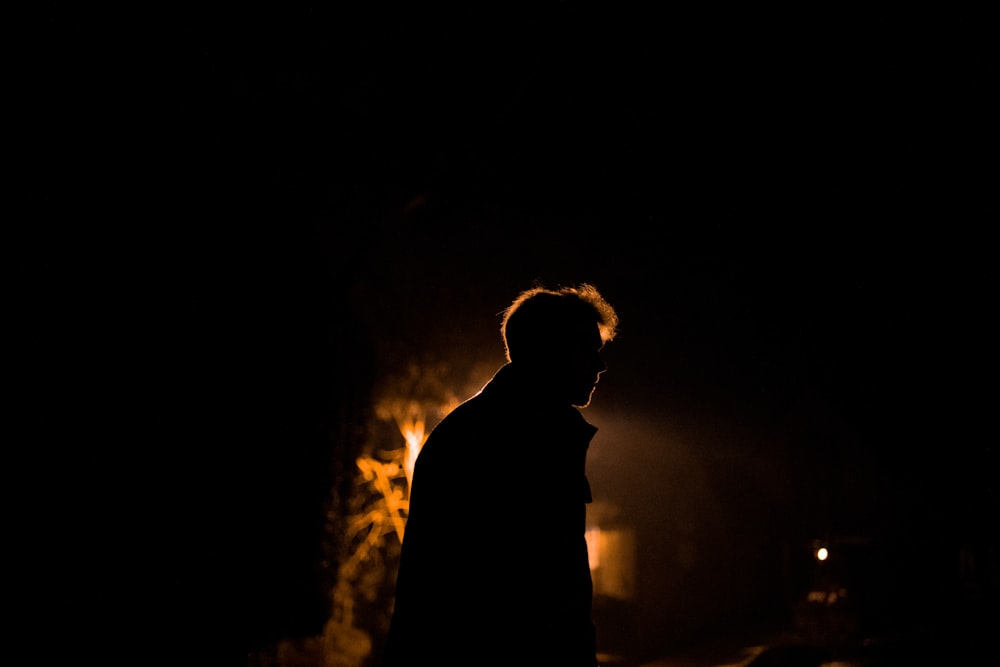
{"x":468,"y":413}
{"x":481,"y":415}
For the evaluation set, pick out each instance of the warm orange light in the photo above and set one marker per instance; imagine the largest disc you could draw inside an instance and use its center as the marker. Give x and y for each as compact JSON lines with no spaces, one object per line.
{"x":612,"y":561}
{"x":380,"y":504}
{"x":415,"y":437}
{"x":389,"y":513}
{"x":593,"y":536}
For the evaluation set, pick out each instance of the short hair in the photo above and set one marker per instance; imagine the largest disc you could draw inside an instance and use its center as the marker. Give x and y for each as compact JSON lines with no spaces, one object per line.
{"x":541,"y":318}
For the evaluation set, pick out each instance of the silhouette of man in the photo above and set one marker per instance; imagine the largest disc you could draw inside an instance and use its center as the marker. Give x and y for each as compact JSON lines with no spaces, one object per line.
{"x":494,"y":567}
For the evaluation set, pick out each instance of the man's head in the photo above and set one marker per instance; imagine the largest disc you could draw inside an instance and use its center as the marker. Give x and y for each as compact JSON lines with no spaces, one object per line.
{"x":557,"y":336}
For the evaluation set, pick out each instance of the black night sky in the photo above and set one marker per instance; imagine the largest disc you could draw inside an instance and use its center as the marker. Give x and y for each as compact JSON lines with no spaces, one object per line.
{"x":254,"y":215}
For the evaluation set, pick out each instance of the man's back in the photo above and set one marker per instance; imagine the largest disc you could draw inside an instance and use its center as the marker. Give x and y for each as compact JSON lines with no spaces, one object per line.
{"x":495,"y":558}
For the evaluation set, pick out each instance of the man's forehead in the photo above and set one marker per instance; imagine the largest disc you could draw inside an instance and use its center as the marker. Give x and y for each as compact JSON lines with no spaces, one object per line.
{"x":588,"y":336}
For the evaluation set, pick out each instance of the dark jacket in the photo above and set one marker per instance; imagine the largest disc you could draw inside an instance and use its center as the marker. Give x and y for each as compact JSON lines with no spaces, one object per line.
{"x":494,"y":567}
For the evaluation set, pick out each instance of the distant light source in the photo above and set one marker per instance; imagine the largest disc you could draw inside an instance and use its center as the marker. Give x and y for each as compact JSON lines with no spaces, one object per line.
{"x":415,"y":437}
{"x":612,"y":560}
{"x":822,"y":553}
{"x":593,"y":536}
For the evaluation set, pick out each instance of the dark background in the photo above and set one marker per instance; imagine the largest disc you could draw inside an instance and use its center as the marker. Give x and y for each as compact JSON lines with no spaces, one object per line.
{"x":240,"y":220}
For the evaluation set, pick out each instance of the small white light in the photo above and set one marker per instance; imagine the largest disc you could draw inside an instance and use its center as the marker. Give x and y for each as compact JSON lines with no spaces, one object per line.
{"x":822,"y":553}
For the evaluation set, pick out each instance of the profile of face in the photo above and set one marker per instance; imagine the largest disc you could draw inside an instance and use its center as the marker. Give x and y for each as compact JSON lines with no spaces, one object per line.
{"x":577,"y":367}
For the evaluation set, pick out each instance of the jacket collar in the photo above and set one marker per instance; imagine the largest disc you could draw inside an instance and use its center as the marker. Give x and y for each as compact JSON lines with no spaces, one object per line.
{"x":513,"y":386}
